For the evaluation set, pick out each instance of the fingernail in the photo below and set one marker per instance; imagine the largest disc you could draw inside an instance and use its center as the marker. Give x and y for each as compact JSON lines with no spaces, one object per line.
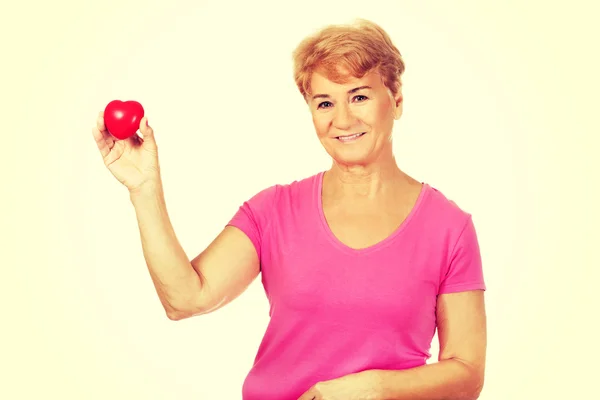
{"x":146,"y":121}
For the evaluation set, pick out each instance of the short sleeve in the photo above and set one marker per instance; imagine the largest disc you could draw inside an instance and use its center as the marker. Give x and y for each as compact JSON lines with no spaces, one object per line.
{"x":254,"y":216}
{"x":464,"y":271}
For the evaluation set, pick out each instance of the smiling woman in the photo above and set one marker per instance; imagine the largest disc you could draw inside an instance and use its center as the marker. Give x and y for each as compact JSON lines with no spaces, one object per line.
{"x":359,"y":112}
{"x":361,"y":263}
{"x":351,"y":80}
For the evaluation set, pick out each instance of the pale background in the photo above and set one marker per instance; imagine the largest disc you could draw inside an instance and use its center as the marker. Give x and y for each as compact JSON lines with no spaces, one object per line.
{"x":501,"y":101}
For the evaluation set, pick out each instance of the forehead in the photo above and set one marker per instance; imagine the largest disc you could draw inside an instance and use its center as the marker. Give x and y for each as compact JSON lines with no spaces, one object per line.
{"x":320,"y":83}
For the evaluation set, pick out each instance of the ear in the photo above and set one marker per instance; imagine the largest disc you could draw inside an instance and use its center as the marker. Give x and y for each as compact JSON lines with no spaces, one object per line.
{"x":398,"y":102}
{"x":398,"y":99}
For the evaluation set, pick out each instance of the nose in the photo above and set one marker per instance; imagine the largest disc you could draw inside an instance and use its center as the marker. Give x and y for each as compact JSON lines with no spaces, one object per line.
{"x":343,"y":118}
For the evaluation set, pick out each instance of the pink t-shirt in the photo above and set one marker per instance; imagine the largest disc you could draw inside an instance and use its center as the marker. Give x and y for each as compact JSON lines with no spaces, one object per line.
{"x":335,"y":310}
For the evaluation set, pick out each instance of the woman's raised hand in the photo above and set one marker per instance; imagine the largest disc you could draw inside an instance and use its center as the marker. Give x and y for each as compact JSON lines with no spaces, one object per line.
{"x":133,"y":161}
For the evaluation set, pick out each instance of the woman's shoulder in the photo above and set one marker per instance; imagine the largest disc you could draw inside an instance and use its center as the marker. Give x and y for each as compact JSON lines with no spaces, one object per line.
{"x":295,"y":188}
{"x":302,"y":185}
{"x":443,"y":207}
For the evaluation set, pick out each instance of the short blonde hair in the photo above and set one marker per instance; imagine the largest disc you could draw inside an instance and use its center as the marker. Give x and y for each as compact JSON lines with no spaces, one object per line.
{"x":341,"y":51}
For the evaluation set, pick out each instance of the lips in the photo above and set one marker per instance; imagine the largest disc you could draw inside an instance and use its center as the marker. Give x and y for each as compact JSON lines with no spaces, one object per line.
{"x":348,"y":138}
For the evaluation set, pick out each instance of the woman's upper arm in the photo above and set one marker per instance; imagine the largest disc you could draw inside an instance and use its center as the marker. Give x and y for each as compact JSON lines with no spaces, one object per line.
{"x":462,"y":328}
{"x":233,"y":260}
{"x":227,"y":267}
{"x":461,"y":316}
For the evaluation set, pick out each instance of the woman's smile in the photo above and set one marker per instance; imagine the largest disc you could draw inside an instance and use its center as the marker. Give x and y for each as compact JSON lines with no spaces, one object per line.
{"x":350,"y":138}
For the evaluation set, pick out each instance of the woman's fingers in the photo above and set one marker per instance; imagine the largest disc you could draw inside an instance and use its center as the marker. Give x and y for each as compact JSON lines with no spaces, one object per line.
{"x":100,"y":142}
{"x":100,"y":123}
{"x":115,"y":153}
{"x":104,"y":140}
{"x":147,"y":131}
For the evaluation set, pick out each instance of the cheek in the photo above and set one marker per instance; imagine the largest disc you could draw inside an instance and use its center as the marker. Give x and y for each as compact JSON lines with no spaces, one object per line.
{"x":322,"y":124}
{"x":381,"y":117}
{"x":384,"y":112}
{"x":372,"y":113}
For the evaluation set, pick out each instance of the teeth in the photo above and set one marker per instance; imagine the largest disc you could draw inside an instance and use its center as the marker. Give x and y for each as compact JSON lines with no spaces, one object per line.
{"x":350,"y":137}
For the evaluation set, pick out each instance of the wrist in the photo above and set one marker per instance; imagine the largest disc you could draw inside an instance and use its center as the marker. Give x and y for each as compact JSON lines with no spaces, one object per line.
{"x":372,"y":384}
{"x":149,"y":190}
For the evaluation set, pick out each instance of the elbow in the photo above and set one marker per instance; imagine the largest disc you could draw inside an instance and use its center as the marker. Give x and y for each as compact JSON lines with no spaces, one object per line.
{"x":474,"y":385}
{"x":473,"y":382}
{"x":176,"y":315}
{"x":477,"y":391}
{"x":472,"y":395}
{"x":180,"y":312}
{"x":469,"y":391}
{"x":193,"y":306}
{"x":478,"y":379}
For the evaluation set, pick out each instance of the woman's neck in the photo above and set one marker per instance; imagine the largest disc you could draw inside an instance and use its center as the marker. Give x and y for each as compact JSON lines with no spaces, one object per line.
{"x":367,"y":182}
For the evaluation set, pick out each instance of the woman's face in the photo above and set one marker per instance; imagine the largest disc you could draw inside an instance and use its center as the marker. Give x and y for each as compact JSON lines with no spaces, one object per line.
{"x":354,"y":120}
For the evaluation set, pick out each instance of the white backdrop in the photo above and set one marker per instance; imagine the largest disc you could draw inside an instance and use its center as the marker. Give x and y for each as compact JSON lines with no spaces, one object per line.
{"x":499,"y":114}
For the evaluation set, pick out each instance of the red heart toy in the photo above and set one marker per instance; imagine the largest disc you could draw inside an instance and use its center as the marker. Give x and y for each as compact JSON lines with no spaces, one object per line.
{"x":122,"y":118}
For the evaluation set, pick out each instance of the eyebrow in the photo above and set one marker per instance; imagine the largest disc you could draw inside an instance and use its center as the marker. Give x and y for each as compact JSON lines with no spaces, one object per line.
{"x":326,"y":96}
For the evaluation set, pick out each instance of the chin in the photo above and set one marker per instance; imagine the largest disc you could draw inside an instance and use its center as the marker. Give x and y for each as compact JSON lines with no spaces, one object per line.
{"x":358,"y":153}
{"x":355,"y":158}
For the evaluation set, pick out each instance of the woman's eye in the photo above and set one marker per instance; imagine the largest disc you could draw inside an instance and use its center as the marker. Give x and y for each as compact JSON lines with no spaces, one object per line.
{"x":327,"y":104}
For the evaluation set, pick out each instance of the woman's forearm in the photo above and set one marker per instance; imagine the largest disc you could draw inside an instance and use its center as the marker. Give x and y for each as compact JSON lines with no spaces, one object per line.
{"x":444,"y":380}
{"x":177,"y":284}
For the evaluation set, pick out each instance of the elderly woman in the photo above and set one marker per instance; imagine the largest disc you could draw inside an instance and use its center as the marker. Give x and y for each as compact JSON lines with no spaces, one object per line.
{"x":361,"y":263}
